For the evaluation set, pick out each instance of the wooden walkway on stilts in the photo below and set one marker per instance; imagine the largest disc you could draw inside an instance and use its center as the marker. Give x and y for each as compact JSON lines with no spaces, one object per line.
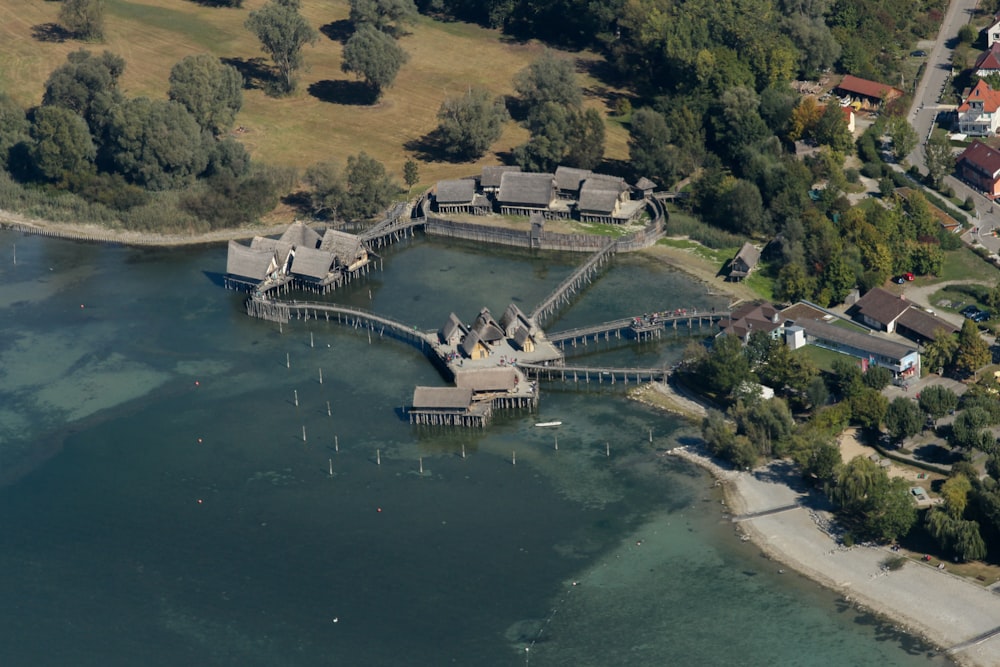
{"x":575,"y":282}
{"x":637,"y":328}
{"x":588,"y":374}
{"x":356,"y":318}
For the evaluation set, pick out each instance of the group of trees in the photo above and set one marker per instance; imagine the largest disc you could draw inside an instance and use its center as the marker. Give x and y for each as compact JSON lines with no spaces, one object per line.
{"x":360,"y":191}
{"x":872,"y":506}
{"x":87,"y":137}
{"x":373,"y":53}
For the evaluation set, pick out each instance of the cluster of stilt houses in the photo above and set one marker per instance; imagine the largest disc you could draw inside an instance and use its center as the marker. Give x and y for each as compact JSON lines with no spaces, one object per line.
{"x":567,"y":193}
{"x":482,"y":360}
{"x":300,"y":259}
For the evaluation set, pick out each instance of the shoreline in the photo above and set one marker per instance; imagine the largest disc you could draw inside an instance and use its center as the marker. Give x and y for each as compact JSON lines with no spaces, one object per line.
{"x":947,"y":612}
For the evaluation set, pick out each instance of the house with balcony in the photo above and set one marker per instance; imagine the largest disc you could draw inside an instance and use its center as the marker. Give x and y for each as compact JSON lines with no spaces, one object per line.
{"x":979,"y":166}
{"x":978,"y":114}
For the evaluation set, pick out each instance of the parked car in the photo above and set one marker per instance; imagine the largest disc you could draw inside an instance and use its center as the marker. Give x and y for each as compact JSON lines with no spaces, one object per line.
{"x":981,"y":316}
{"x":970,"y":311}
{"x":909,"y":277}
{"x":898,"y":280}
{"x":919,"y":54}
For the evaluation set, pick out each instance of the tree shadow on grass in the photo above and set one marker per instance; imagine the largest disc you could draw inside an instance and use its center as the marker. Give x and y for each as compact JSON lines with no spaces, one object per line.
{"x":343,"y":92}
{"x":338,"y":31}
{"x":430,"y":148}
{"x":257,"y":74}
{"x":50,"y":32}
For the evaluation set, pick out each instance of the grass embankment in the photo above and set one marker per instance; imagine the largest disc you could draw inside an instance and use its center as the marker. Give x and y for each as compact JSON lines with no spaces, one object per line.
{"x":327,"y":117}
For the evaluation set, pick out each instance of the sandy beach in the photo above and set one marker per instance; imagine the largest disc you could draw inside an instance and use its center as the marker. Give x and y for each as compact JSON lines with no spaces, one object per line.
{"x":960,"y":617}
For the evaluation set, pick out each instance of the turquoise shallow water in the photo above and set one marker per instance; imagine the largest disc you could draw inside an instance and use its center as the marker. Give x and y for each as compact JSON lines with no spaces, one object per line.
{"x":162,"y":508}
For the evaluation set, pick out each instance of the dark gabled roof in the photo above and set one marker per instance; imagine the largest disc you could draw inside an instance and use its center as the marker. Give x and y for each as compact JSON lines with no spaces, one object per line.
{"x":607,"y":182}
{"x":512,"y":316}
{"x":750,"y":255}
{"x":487,"y":379}
{"x":596,"y":200}
{"x":486,"y":327}
{"x":441,"y":398}
{"x":344,"y":246}
{"x":645,"y":184}
{"x":865,"y":342}
{"x":522,"y":336}
{"x":866,"y":88}
{"x":570,"y":178}
{"x":311,"y":263}
{"x":490,"y":177}
{"x":924,"y":324}
{"x":301,"y":236}
{"x":468,"y":345}
{"x":451,"y":327}
{"x":526,"y":188}
{"x":752,"y":317}
{"x":456,"y":191}
{"x":989,"y":60}
{"x":880,"y":305}
{"x":246,"y":262}
{"x":982,"y":157}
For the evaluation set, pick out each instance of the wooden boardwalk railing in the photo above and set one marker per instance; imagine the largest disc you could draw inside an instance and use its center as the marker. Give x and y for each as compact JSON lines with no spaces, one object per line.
{"x":582,"y":276}
{"x":637,"y":327}
{"x":588,"y":374}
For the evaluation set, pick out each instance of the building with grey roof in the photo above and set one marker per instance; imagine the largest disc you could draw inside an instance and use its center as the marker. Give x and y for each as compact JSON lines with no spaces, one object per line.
{"x":745,"y":262}
{"x":246,"y":267}
{"x":312,"y":265}
{"x":569,"y":180}
{"x":301,"y":235}
{"x":453,"y":331}
{"x":460,"y":196}
{"x":871,"y":349}
{"x":523,"y":193}
{"x":349,"y":253}
{"x":489,"y":179}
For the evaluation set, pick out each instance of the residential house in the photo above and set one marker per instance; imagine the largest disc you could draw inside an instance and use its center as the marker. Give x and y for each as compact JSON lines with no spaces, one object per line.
{"x":869,"y":94}
{"x":977,"y":114}
{"x":993,"y":31}
{"x":879,"y":309}
{"x":979,"y":165}
{"x":473,"y":347}
{"x":513,"y":319}
{"x":745,"y":262}
{"x":487,"y":328}
{"x":988,"y":62}
{"x":453,"y":331}
{"x":752,"y":317}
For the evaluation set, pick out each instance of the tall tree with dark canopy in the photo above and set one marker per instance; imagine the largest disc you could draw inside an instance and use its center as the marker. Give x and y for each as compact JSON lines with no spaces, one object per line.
{"x":87,"y":85}
{"x":61,"y":143}
{"x":83,"y":18}
{"x":14,"y":127}
{"x":548,"y":79}
{"x":369,"y":188}
{"x":469,"y":124}
{"x":903,"y":418}
{"x":386,"y":15}
{"x":649,"y":147}
{"x":973,"y":352}
{"x":373,"y":56}
{"x":283,"y":33}
{"x":157,"y":144}
{"x":562,"y":135}
{"x":211,"y":91}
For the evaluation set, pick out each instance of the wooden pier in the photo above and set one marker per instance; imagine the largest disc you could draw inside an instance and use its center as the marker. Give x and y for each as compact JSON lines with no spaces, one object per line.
{"x":599,"y":375}
{"x":636,"y":328}
{"x":583,"y":275}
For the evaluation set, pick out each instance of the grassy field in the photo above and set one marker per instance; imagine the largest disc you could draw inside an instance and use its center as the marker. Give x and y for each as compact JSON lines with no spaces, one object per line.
{"x":324,"y":119}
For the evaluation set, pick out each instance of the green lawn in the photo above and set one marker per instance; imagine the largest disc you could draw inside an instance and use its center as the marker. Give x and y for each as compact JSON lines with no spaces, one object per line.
{"x":822,"y":357}
{"x":718,"y":256}
{"x":963,"y":264}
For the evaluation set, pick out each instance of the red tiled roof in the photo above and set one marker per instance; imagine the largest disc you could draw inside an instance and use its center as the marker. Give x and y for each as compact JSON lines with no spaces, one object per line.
{"x":982,"y":156}
{"x":853,"y":84}
{"x":989,"y":60}
{"x":982,"y":91}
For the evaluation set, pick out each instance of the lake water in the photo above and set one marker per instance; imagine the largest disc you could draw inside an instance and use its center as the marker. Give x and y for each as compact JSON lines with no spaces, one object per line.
{"x":160,"y":506}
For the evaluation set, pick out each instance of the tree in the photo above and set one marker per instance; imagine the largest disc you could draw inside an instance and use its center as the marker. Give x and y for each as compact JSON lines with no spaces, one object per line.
{"x":468,"y":125}
{"x":156,"y":144}
{"x":973,"y":352}
{"x":876,"y":507}
{"x":88,"y":85}
{"x":804,"y":118}
{"x":649,"y":147}
{"x":411,"y":172}
{"x":939,"y":156}
{"x":940,"y":352}
{"x":211,"y":91}
{"x":562,"y":136}
{"x":384,"y":15}
{"x":831,"y":129}
{"x":282,"y":32}
{"x":937,"y":400}
{"x":83,"y":18}
{"x":877,"y":377}
{"x":904,"y":138}
{"x":548,"y":79}
{"x":903,"y":418}
{"x":369,"y":188}
{"x":14,"y":127}
{"x":726,"y":368}
{"x":61,"y":143}
{"x":954,"y":534}
{"x":373,"y":56}
{"x":869,"y":407}
{"x":328,"y":189}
